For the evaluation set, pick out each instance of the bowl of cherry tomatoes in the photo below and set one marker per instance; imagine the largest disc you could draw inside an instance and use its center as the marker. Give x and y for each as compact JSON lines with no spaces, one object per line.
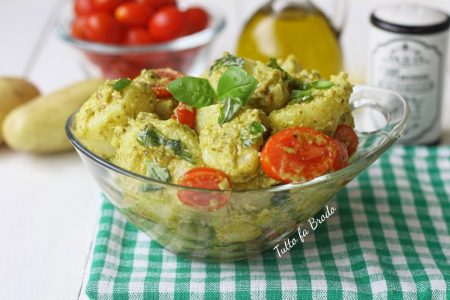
{"x":119,"y":38}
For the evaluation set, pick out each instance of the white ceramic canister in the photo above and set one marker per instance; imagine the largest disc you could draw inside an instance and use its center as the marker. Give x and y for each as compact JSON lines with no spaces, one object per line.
{"x":408,"y":49}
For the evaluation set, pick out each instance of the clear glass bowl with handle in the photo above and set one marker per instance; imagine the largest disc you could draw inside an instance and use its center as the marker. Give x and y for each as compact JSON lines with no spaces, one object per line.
{"x":187,"y":54}
{"x":253,"y":220}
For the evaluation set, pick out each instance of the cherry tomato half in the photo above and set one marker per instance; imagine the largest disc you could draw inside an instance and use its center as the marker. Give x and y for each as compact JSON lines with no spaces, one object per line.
{"x":138,"y":36}
{"x":168,"y":23}
{"x":102,"y":27}
{"x":206,"y":178}
{"x":166,"y":76}
{"x":197,"y":19}
{"x":133,"y":13}
{"x":348,"y":137}
{"x":301,"y":154}
{"x":84,"y":7}
{"x":185,"y":114}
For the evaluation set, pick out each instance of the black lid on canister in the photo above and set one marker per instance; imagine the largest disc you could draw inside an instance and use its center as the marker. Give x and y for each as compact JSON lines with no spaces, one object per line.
{"x":410,"y":19}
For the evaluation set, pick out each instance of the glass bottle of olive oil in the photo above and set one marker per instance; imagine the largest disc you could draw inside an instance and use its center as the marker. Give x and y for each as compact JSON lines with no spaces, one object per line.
{"x":281,"y":28}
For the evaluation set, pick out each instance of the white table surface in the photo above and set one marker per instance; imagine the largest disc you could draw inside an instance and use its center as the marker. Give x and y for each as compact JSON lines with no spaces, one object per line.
{"x":49,"y":205}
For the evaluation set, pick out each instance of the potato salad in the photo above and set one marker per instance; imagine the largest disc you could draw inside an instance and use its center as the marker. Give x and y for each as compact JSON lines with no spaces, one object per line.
{"x":242,"y":125}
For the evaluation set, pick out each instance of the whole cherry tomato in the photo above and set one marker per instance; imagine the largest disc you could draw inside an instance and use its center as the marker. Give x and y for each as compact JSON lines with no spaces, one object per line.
{"x":133,"y":13}
{"x":197,"y":19}
{"x":185,"y":114}
{"x":157,"y":4}
{"x":300,"y":154}
{"x":138,"y":36}
{"x":107,"y":5}
{"x":206,"y":178}
{"x":78,"y":27}
{"x":168,"y":23}
{"x":104,"y":28}
{"x":84,"y":7}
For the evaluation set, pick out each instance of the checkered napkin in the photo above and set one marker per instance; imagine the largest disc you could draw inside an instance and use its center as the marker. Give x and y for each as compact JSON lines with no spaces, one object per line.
{"x":389,"y":238}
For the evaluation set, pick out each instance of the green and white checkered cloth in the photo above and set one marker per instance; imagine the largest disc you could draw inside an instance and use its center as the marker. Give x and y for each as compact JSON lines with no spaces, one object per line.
{"x":389,"y":238}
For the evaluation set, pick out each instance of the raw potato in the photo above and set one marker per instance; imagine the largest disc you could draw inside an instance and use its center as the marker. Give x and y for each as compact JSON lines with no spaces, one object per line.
{"x":14,"y":91}
{"x":38,"y":126}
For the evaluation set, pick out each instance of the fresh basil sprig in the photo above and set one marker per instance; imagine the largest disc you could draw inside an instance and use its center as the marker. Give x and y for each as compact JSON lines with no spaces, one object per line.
{"x":234,"y":89}
{"x":305,"y":93}
{"x":121,"y":84}
{"x":152,"y":137}
{"x":194,"y":91}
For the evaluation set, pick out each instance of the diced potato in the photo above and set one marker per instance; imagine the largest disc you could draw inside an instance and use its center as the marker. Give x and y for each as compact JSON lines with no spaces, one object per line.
{"x":133,"y":156}
{"x":223,"y":146}
{"x":108,"y":109}
{"x":323,"y":113}
{"x":292,"y":66}
{"x":150,"y":77}
{"x":164,"y":107}
{"x":258,"y":182}
{"x":347,"y":119}
{"x":234,"y":232}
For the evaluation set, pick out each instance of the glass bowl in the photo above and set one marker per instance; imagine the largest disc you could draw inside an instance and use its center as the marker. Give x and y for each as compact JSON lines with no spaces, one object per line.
{"x":253,"y":220}
{"x":187,"y":54}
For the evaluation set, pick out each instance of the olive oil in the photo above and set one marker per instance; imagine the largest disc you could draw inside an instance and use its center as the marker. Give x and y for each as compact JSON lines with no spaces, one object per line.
{"x":303,"y":31}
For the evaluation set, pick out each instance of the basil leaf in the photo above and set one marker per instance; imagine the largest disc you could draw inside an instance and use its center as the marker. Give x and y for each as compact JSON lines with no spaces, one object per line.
{"x":121,"y":84}
{"x":179,"y":149}
{"x":253,"y":134}
{"x":228,"y":110}
{"x":193,"y":91}
{"x":257,"y":128}
{"x":274,"y":64}
{"x":157,"y":173}
{"x":152,"y":137}
{"x":299,"y":96}
{"x":149,"y":137}
{"x":227,"y":60}
{"x":236,"y":83}
{"x":321,"y":84}
{"x":285,"y":75}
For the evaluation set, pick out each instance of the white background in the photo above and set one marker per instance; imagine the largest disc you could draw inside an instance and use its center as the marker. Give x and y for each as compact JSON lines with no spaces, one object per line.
{"x":48,"y":204}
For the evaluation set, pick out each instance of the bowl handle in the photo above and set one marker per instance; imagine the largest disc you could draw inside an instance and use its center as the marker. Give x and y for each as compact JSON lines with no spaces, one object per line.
{"x":386,"y":110}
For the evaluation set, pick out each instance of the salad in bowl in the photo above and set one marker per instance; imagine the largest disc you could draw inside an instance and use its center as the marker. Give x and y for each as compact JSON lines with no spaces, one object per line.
{"x":226,"y":165}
